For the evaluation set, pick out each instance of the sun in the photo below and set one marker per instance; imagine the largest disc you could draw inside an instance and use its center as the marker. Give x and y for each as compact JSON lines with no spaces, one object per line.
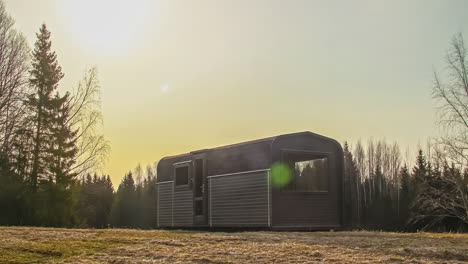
{"x":107,"y":25}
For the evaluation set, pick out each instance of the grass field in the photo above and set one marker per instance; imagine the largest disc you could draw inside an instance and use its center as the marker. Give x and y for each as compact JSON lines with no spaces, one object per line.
{"x":46,"y":245}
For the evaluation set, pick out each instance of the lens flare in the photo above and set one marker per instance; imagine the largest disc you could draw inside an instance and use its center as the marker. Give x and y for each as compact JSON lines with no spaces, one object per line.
{"x":281,"y":175}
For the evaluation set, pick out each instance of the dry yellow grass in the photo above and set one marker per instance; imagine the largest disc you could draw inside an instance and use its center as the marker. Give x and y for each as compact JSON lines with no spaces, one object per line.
{"x":53,"y":245}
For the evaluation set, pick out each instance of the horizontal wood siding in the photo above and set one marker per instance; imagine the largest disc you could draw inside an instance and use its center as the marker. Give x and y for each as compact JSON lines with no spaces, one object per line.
{"x":239,"y":200}
{"x":165,"y":191}
{"x":183,"y":207}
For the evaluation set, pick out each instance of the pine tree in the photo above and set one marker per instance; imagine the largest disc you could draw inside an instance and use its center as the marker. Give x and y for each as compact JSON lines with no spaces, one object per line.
{"x":11,"y":194}
{"x":107,"y":196}
{"x":93,"y":202}
{"x":45,"y":75}
{"x":420,"y":170}
{"x":419,"y":179}
{"x":124,"y":207}
{"x":435,"y":196}
{"x":406,"y":196}
{"x":149,"y":202}
{"x":62,"y":149}
{"x":103,"y":201}
{"x":351,"y":189}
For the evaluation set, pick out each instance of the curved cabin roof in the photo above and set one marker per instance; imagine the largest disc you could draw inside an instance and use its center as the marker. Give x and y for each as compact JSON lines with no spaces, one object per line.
{"x":248,"y":155}
{"x":263,"y":140}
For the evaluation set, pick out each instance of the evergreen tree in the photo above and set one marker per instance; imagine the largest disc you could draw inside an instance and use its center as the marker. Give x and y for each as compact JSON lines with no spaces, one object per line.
{"x":149,"y":202}
{"x":419,"y":178}
{"x":45,"y":75}
{"x":84,"y":207}
{"x":93,"y":202}
{"x":351,"y":190}
{"x":419,"y":171}
{"x":439,"y":203}
{"x":62,"y":149}
{"x":124,"y":207}
{"x":54,"y":141}
{"x":406,"y":197}
{"x":11,"y":194}
{"x":106,"y":198}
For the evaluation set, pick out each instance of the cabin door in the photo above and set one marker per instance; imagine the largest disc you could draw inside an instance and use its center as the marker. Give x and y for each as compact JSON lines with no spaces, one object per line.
{"x":200,"y":194}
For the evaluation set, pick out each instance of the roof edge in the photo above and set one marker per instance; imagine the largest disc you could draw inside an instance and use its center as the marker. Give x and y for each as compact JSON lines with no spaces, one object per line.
{"x":272,"y":139}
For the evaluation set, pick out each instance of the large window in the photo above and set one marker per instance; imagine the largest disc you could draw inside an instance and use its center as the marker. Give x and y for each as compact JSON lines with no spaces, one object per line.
{"x":309,"y":172}
{"x":182,"y":175}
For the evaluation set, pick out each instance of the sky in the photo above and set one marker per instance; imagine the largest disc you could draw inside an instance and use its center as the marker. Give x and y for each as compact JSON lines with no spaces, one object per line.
{"x":182,"y":75}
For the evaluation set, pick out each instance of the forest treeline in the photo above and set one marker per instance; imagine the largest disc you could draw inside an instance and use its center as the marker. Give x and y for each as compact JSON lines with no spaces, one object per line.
{"x":51,"y":146}
{"x":384,"y":192}
{"x":49,"y":138}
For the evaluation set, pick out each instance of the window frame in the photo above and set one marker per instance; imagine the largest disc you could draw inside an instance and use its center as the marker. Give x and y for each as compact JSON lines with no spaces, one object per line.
{"x":183,"y":164}
{"x":326,"y":155}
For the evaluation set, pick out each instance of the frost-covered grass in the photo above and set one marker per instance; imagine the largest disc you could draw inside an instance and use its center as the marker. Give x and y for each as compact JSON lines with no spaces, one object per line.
{"x":46,"y":245}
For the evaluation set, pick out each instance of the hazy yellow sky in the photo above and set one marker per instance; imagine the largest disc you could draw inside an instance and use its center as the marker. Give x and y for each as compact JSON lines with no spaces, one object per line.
{"x":183,"y":75}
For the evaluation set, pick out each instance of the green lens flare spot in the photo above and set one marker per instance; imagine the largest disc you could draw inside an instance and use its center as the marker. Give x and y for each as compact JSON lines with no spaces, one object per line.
{"x":281,"y":175}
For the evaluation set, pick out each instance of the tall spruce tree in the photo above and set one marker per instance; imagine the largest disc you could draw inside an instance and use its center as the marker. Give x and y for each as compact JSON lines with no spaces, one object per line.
{"x":60,"y":157}
{"x":45,"y":76}
{"x":406,"y":197}
{"x":351,"y":189}
{"x":419,"y":177}
{"x":149,"y":202}
{"x":420,"y":170}
{"x":124,"y":211}
{"x":62,"y":149}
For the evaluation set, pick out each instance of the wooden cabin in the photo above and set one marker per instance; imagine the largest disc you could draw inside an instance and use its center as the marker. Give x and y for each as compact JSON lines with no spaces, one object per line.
{"x":291,"y":181}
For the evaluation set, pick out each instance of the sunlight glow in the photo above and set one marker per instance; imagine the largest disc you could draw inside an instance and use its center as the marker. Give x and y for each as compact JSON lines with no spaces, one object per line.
{"x":107,"y":26}
{"x":164,"y":88}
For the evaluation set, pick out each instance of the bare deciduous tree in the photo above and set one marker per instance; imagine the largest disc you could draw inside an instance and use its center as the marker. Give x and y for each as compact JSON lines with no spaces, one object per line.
{"x":151,"y":171}
{"x":86,"y":116}
{"x":445,"y":195}
{"x":360,"y":158}
{"x":14,"y":66}
{"x":452,"y":96}
{"x":395,"y":163}
{"x":138,"y":174}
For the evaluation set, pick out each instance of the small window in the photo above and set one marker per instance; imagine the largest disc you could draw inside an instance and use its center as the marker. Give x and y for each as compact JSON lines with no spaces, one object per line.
{"x":182,"y":175}
{"x":309,"y":172}
{"x":198,"y":178}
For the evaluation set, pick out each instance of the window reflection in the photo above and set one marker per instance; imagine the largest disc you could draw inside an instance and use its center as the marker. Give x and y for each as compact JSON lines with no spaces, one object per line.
{"x":310,"y":173}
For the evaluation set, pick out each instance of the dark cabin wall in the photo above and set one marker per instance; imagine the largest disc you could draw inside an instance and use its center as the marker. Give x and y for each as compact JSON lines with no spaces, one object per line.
{"x":248,"y":157}
{"x":229,"y":159}
{"x":165,"y":169}
{"x":310,"y":208}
